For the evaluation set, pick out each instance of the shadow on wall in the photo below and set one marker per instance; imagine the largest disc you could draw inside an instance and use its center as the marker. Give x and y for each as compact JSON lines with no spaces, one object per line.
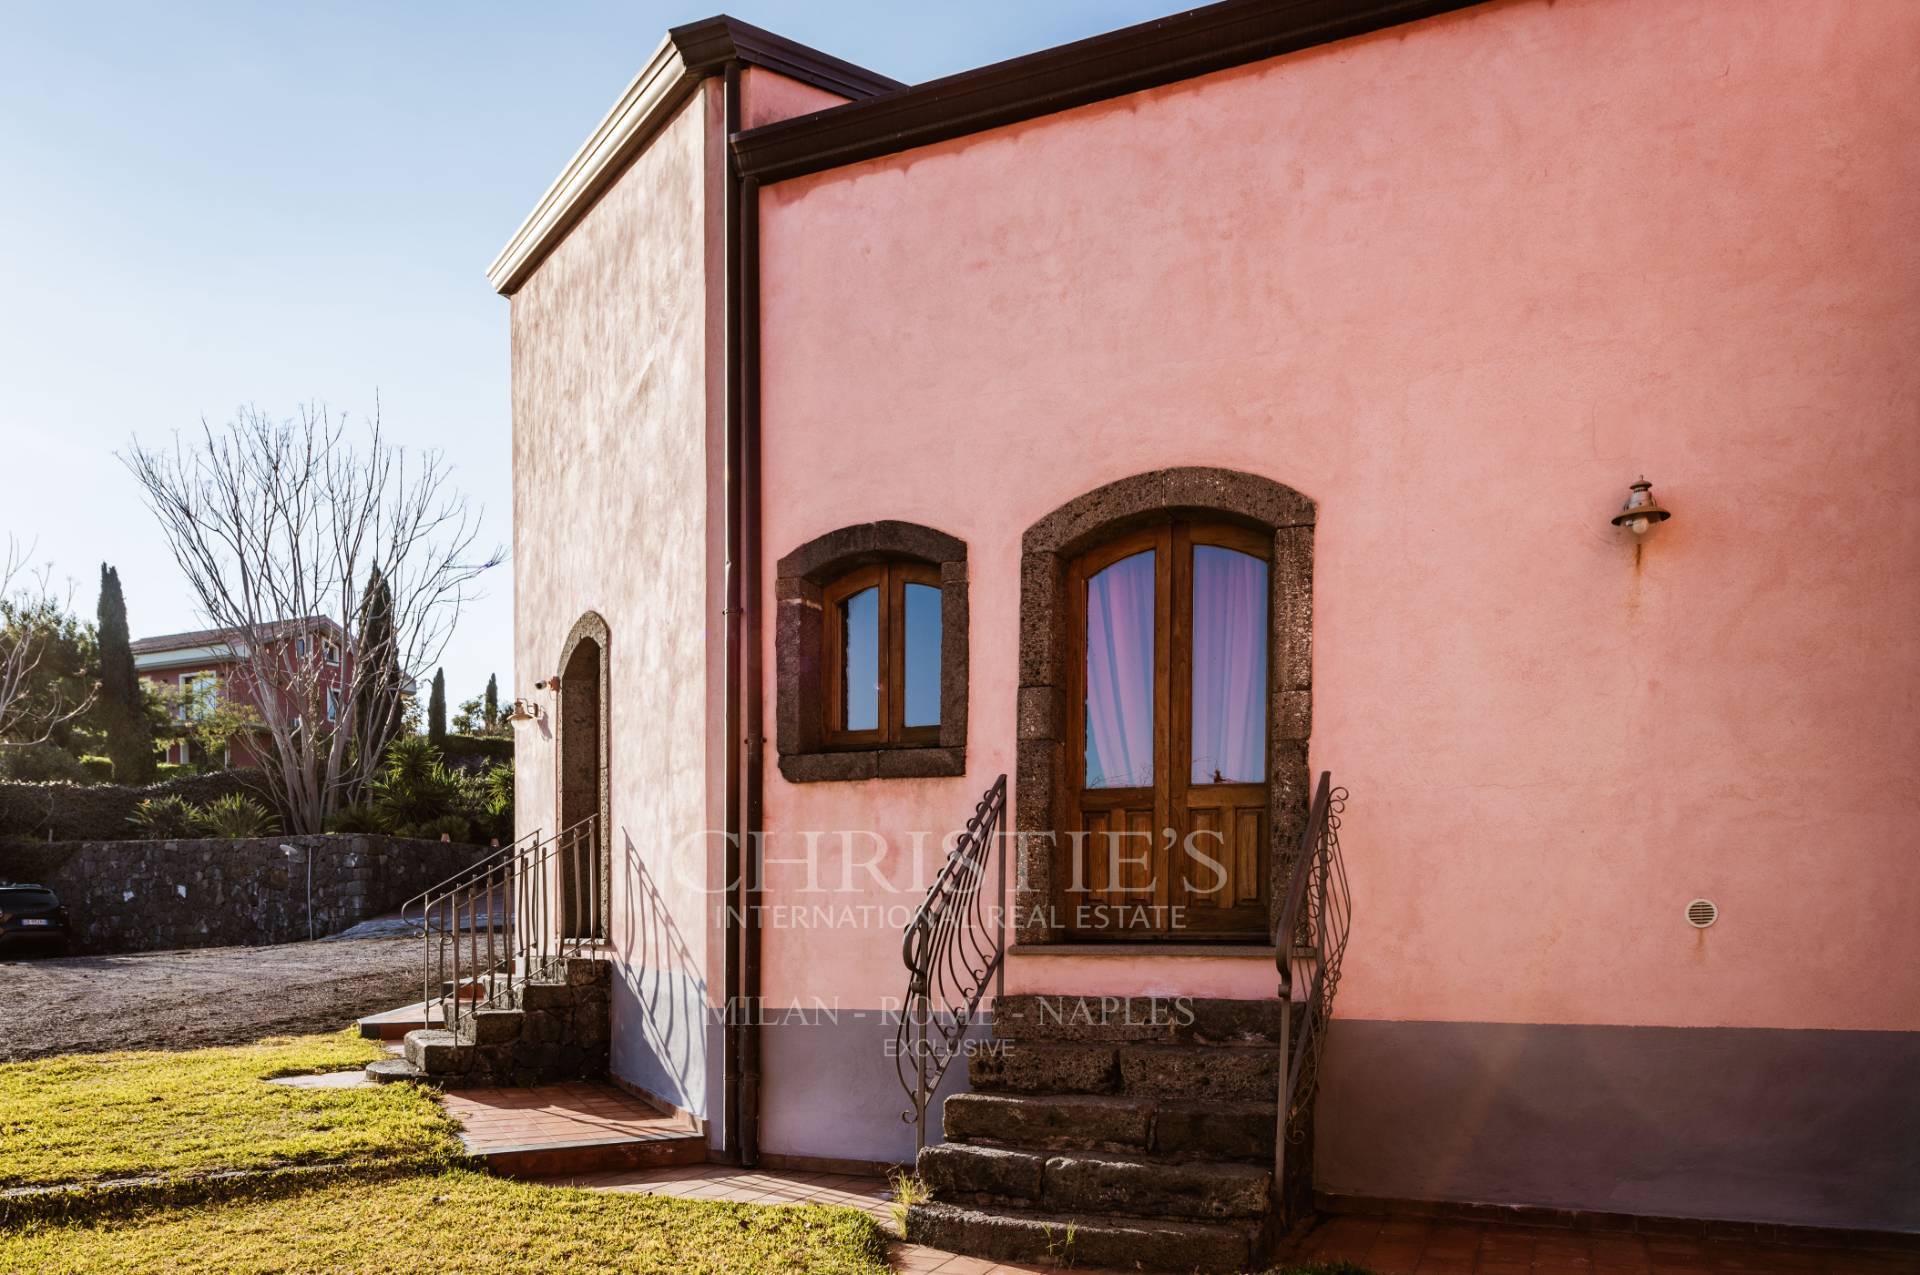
{"x":661,"y":988}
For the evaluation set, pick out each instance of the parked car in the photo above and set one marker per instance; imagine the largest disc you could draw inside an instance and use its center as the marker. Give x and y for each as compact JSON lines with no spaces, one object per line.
{"x":31,"y":916}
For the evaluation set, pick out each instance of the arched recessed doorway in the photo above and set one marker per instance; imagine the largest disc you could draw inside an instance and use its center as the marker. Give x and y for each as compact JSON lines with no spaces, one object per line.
{"x":1166,"y":669}
{"x":582,"y":871}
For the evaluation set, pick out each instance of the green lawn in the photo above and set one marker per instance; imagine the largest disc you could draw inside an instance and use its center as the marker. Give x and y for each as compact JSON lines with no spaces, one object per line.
{"x":177,"y":1117}
{"x":453,"y":1223}
{"x":87,"y":1118}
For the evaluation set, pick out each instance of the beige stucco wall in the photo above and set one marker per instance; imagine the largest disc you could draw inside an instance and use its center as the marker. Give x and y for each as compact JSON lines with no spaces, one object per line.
{"x":614,"y":441}
{"x":619,"y":402}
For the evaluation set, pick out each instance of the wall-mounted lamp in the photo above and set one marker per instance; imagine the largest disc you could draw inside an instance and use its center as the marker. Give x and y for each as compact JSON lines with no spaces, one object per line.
{"x":1641,"y":510}
{"x":524,"y":710}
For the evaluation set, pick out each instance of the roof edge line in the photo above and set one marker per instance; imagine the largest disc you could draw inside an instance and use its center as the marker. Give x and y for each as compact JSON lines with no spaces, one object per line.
{"x":1109,"y":65}
{"x":660,"y":86}
{"x":686,"y":55}
{"x":709,"y":44}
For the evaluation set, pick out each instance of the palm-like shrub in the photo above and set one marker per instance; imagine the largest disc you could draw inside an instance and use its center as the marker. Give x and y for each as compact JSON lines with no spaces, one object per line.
{"x":495,"y":814}
{"x":453,"y":827}
{"x":237,"y":815}
{"x":164,"y":817}
{"x":416,"y":787}
{"x":419,"y":795}
{"x":352,"y":819}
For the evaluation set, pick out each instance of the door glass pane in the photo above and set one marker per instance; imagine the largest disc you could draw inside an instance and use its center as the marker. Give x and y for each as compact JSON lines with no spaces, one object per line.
{"x":1120,"y":675}
{"x":923,"y":656}
{"x":1229,"y":666}
{"x":860,"y":621}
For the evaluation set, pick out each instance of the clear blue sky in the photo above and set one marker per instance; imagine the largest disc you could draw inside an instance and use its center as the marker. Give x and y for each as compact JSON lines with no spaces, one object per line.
{"x":209,"y":205}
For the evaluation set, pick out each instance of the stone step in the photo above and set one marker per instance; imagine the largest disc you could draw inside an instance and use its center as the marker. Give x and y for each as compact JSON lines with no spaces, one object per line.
{"x":1166,"y":1020}
{"x":1235,"y":1072}
{"x":1172,"y":1128}
{"x":1095,"y":1182}
{"x":584,"y":971}
{"x":1243,"y":1131}
{"x":489,"y":1026}
{"x":438,"y":1052}
{"x":389,"y":1071}
{"x":1015,"y":1066}
{"x":1118,"y":1243}
{"x":1054,"y":1122}
{"x":394,"y":1024}
{"x":542,"y":995}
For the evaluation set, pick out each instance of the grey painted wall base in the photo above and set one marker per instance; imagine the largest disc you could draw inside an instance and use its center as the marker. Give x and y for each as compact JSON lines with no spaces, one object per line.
{"x":1811,"y":1128}
{"x":666,"y":1041}
{"x":828,"y":1089}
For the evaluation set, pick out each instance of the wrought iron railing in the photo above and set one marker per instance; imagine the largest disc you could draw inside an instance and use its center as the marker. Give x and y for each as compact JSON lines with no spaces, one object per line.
{"x":1309,"y":940}
{"x":955,"y":944}
{"x":514,"y":916}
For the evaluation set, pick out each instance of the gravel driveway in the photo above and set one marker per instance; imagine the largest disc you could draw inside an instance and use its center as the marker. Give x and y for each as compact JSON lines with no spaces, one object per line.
{"x":205,"y":996}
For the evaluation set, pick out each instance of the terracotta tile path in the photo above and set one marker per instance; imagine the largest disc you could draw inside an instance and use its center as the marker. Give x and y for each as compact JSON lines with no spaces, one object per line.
{"x":739,"y":1186}
{"x":563,"y":1115}
{"x":556,"y":1116}
{"x":760,"y":1186}
{"x":1390,"y":1246}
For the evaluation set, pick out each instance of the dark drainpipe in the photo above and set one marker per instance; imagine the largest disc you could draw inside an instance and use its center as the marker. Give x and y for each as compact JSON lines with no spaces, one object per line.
{"x":730,"y":868}
{"x":744,"y":715}
{"x":754,"y":737}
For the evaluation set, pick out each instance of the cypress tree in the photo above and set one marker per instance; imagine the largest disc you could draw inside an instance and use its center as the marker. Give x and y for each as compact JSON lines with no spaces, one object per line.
{"x":493,"y":702}
{"x":437,"y":710}
{"x":377,"y":689}
{"x":123,"y":702}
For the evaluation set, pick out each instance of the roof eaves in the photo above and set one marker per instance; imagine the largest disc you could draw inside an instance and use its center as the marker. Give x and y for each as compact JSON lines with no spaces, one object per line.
{"x":1164,"y":51}
{"x":684,"y":57}
{"x":708,"y":45}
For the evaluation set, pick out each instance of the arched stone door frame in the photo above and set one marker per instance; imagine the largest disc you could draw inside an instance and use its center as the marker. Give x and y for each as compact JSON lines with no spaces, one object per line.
{"x":582,"y":753}
{"x":1042,"y":769}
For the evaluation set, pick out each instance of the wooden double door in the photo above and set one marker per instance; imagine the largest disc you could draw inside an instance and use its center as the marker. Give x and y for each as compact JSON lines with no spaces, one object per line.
{"x":1168,"y":712}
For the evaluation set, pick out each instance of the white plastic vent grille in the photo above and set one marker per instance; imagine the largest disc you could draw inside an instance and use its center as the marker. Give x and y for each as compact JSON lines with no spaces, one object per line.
{"x":1701,"y":913}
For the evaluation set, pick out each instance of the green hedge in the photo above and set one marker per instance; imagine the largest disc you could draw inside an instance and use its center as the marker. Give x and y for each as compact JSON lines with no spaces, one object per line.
{"x":463,"y":749}
{"x":99,"y":812}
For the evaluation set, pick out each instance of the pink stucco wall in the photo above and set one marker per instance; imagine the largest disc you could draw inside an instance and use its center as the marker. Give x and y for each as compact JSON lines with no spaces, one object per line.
{"x":767,"y":97}
{"x":1459,"y":282}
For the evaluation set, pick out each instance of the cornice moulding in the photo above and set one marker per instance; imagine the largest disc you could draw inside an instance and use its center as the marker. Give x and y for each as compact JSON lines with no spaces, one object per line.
{"x":687,"y":55}
{"x":662,"y":85}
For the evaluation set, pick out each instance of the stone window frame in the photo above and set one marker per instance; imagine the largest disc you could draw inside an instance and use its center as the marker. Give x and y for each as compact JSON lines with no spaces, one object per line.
{"x":1041,"y":767}
{"x":799,"y":623}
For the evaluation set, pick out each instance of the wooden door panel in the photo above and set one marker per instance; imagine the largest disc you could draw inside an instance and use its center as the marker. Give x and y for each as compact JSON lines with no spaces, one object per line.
{"x":1200,"y":884}
{"x":1138,"y":856}
{"x":1248,"y":840}
{"x":1140,"y":844}
{"x":1118,"y":869}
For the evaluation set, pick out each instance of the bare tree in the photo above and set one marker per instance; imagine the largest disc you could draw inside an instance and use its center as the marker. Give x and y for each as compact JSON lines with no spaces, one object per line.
{"x":280,"y":527}
{"x":31,"y":616}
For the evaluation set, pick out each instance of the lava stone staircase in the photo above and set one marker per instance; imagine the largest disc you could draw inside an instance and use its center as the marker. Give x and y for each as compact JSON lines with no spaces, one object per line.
{"x":543,"y":1029}
{"x":1130,"y":1133}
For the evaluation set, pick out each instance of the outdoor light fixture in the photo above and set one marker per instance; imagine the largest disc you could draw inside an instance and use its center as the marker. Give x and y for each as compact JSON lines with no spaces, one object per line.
{"x":1641,"y":510}
{"x":524,"y":710}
